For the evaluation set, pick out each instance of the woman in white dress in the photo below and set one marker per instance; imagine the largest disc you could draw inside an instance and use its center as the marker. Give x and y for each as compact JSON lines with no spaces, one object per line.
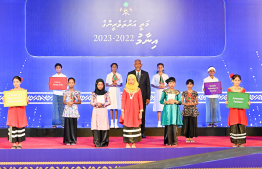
{"x":114,"y":82}
{"x":159,"y":83}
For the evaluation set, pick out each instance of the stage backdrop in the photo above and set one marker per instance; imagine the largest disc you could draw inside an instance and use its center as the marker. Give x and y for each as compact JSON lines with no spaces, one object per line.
{"x":86,"y":36}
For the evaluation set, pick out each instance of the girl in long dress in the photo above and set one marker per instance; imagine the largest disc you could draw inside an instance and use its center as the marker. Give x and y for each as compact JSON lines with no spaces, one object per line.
{"x":159,"y":83}
{"x":114,"y":82}
{"x":16,"y":119}
{"x":171,"y":117}
{"x":237,"y":118}
{"x":100,"y":99}
{"x":132,"y":108}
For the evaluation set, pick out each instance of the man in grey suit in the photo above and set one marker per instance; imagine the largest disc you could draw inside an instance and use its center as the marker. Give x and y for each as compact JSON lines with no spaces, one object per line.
{"x":144,"y":84}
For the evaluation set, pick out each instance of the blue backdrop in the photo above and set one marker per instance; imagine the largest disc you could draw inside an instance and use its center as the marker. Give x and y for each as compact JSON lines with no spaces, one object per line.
{"x":192,"y":35}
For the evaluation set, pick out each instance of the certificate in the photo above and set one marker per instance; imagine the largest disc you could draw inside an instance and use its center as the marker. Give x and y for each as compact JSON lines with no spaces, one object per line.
{"x":57,"y":83}
{"x":238,"y":100}
{"x":212,"y":88}
{"x":171,"y":96}
{"x":100,"y":99}
{"x":15,"y":98}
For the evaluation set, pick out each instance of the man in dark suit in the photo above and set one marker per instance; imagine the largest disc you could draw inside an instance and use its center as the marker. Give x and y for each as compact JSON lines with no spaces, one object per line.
{"x":144,"y":84}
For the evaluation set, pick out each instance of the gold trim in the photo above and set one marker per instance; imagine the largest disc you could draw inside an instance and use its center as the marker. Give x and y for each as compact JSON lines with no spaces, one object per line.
{"x":122,"y":110}
{"x":128,"y":91}
{"x":141,"y":110}
{"x":75,"y":162}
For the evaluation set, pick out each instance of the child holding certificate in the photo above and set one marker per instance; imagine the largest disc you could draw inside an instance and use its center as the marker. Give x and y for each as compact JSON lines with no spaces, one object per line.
{"x":171,"y":116}
{"x":114,"y":82}
{"x":132,"y":109}
{"x":190,"y":112}
{"x":16,"y":119}
{"x":212,"y":102}
{"x":100,"y":99}
{"x":58,"y":106}
{"x":158,"y":82}
{"x":237,"y":118}
{"x":71,"y":115}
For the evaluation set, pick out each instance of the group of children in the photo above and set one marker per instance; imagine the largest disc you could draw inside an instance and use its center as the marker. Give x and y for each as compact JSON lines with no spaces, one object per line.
{"x":167,"y":101}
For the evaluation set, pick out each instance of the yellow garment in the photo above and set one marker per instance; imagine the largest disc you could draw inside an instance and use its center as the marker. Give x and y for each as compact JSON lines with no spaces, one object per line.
{"x":134,"y":87}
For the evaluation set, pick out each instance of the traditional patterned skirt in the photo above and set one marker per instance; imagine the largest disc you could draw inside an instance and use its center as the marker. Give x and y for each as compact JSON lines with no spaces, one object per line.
{"x":58,"y":109}
{"x":189,"y":128}
{"x":101,"y":138}
{"x":132,"y":134}
{"x":70,"y":130}
{"x":170,"y":135}
{"x":238,"y":134}
{"x":16,"y":134}
{"x":212,"y":110}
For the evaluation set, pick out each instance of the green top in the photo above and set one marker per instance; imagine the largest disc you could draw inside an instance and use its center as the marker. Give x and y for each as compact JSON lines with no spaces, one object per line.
{"x":171,"y":113}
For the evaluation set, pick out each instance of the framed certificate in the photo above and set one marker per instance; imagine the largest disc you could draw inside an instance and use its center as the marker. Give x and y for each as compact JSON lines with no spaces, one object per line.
{"x":100,"y":99}
{"x":171,"y":96}
{"x":212,"y":88}
{"x":57,"y":83}
{"x":15,"y":98}
{"x":238,"y":100}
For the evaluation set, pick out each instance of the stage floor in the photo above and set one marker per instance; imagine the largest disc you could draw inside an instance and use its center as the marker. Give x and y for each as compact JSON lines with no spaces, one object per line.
{"x":50,"y":153}
{"x":117,"y":142}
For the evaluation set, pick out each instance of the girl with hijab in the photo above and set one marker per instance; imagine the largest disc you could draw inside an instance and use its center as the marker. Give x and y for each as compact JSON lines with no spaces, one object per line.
{"x":99,"y":124}
{"x":132,"y":108}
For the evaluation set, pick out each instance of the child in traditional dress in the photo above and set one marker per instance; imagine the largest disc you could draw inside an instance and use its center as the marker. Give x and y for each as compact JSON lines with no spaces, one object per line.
{"x":114,"y":82}
{"x":132,"y":108}
{"x":16,"y":119}
{"x":58,"y":106}
{"x":212,"y":102}
{"x":100,"y":99}
{"x":237,"y":118}
{"x":171,"y":116}
{"x":158,"y":82}
{"x":71,"y":114}
{"x":190,"y":112}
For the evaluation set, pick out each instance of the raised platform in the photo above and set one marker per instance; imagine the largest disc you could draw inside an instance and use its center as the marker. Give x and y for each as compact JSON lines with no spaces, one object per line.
{"x":50,"y":153}
{"x":86,"y":132}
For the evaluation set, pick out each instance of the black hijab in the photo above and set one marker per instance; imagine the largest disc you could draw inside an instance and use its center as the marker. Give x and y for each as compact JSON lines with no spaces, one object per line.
{"x":97,"y":91}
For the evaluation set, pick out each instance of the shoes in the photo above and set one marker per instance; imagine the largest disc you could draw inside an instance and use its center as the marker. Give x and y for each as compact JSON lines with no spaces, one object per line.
{"x":112,"y":125}
{"x":73,"y":144}
{"x":143,"y":135}
{"x":240,"y":145}
{"x":116,"y":126}
{"x":68,"y":144}
{"x":159,"y":125}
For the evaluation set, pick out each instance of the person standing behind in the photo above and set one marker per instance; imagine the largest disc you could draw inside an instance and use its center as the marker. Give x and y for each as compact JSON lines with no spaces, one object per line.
{"x":144,"y":84}
{"x":114,"y":82}
{"x":58,"y":106}
{"x":158,"y":82}
{"x":212,"y":101}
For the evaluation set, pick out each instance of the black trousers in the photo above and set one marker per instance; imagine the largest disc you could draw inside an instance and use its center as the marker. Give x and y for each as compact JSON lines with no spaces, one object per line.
{"x":170,"y":136}
{"x":143,"y":125}
{"x":189,"y":128}
{"x":70,"y":130}
{"x":101,"y":138}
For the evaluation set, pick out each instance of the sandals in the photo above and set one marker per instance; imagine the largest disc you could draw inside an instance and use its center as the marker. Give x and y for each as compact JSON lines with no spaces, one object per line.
{"x":240,"y":145}
{"x":133,"y":146}
{"x":128,"y":146}
{"x":13,"y":147}
{"x":19,"y":147}
{"x":188,"y":141}
{"x":234,"y":145}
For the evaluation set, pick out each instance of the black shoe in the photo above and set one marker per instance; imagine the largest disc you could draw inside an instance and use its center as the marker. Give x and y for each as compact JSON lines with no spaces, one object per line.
{"x":143,"y":135}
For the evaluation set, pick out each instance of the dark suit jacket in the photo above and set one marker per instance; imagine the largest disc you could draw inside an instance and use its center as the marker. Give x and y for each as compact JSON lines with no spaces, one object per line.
{"x":144,"y":84}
